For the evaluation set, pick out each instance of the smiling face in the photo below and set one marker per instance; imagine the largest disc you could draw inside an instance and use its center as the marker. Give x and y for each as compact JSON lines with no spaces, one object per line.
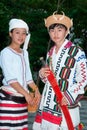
{"x":57,"y":33}
{"x":18,"y":36}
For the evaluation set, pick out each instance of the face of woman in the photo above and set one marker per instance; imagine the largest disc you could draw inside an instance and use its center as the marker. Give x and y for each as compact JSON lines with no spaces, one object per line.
{"x":58,"y":34}
{"x":18,"y":35}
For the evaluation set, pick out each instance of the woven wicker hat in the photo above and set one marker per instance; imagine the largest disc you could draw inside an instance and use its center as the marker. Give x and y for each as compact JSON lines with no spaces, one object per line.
{"x":60,"y":19}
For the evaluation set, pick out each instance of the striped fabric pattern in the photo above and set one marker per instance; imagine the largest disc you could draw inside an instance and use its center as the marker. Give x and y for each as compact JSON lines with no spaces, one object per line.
{"x":13,"y":115}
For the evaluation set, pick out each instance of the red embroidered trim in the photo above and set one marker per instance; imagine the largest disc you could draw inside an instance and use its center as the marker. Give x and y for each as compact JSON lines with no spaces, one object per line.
{"x":48,"y":117}
{"x":38,"y":118}
{"x":68,"y":45}
{"x":83,"y":76}
{"x":52,"y":118}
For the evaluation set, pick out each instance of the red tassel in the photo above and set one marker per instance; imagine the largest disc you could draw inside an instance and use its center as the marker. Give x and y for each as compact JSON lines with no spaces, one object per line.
{"x":80,"y":126}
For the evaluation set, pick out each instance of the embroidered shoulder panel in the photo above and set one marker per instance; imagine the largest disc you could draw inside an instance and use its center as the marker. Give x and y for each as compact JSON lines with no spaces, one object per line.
{"x":66,"y":70}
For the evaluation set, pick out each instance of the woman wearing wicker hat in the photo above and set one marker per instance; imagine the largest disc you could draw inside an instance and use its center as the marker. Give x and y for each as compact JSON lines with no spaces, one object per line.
{"x":14,"y":95}
{"x":68,"y":63}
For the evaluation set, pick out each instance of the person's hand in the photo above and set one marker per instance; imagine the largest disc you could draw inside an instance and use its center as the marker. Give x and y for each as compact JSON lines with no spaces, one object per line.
{"x":29,"y":98}
{"x":64,"y":101}
{"x":37,"y":97}
{"x":44,"y":72}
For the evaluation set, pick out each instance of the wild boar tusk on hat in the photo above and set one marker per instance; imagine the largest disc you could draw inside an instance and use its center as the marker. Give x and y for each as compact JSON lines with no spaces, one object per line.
{"x":55,"y":12}
{"x":58,"y":18}
{"x":62,"y":16}
{"x":54,"y":15}
{"x":45,"y":21}
{"x":71,"y":22}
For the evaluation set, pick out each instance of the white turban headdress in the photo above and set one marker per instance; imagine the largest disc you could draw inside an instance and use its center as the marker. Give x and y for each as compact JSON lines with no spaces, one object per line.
{"x":18,"y":23}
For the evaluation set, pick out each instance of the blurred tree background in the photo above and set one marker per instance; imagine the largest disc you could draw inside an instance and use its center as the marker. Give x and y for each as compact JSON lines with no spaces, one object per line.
{"x":33,"y":12}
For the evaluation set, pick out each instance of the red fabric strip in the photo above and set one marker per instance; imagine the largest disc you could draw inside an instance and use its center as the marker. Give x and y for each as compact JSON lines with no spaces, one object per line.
{"x":59,"y":96}
{"x":13,"y":105}
{"x":13,"y":118}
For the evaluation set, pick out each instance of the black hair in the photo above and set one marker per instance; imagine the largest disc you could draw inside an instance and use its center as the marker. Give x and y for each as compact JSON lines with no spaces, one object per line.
{"x":9,"y":38}
{"x":57,"y":25}
{"x":13,"y":29}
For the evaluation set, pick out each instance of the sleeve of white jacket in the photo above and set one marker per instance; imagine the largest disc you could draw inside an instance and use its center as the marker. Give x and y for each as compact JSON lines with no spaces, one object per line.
{"x":77,"y":88}
{"x":6,"y":64}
